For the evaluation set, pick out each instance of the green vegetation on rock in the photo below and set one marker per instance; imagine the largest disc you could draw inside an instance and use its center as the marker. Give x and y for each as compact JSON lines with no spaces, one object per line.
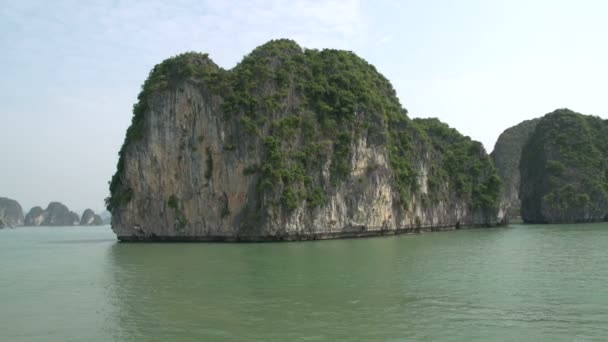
{"x":180,"y":218}
{"x":325,"y":98}
{"x":169,"y":73}
{"x":319,"y":103}
{"x":307,"y":110}
{"x":564,"y":169}
{"x":462,"y":163}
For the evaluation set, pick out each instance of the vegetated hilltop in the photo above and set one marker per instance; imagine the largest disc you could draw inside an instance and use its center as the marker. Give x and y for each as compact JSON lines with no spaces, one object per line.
{"x":564,"y":169}
{"x":506,"y":157}
{"x":289,"y":144}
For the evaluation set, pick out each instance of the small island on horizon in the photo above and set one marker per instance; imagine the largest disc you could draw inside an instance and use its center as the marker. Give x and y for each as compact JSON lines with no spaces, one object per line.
{"x":55,"y":214}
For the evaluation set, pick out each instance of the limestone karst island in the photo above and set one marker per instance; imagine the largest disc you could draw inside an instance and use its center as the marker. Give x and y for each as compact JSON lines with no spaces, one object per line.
{"x":299,"y":144}
{"x":310,"y":170}
{"x":56,"y":214}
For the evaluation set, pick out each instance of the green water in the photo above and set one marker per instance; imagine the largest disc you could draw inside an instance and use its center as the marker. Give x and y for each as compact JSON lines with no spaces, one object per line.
{"x":523,"y":283}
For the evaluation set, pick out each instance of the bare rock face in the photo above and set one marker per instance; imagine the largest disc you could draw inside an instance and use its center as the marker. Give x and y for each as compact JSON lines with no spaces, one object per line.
{"x":11,"y":214}
{"x":56,"y":214}
{"x":506,"y":156}
{"x":291,"y":144}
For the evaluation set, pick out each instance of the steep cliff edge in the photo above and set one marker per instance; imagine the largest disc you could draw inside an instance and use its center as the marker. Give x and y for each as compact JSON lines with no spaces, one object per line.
{"x":564,"y":169}
{"x":506,"y":157}
{"x":290,"y":144}
{"x":11,"y":213}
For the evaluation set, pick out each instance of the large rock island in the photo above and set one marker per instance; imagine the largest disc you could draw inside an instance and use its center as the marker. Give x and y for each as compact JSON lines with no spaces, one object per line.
{"x":564,"y":169}
{"x":11,"y":213}
{"x":291,"y":144}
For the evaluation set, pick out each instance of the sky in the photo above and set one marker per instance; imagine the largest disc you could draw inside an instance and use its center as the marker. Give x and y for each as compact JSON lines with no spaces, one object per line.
{"x":72,"y":69}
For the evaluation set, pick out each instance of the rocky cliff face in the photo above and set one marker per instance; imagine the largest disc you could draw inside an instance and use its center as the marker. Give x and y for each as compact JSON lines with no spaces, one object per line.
{"x":11,"y":214}
{"x":56,"y":214}
{"x":291,"y":144}
{"x":506,"y":157}
{"x":564,"y":169}
{"x":89,"y":218}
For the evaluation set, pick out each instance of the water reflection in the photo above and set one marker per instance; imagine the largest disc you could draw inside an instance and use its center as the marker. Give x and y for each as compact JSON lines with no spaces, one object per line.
{"x":467,"y":285}
{"x":272,"y":291}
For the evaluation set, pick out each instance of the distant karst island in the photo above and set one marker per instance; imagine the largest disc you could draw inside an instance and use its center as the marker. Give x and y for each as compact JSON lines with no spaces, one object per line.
{"x":55,"y":214}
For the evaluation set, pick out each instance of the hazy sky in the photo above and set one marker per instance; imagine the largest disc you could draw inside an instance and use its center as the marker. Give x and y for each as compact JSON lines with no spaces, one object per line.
{"x":72,"y":69}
